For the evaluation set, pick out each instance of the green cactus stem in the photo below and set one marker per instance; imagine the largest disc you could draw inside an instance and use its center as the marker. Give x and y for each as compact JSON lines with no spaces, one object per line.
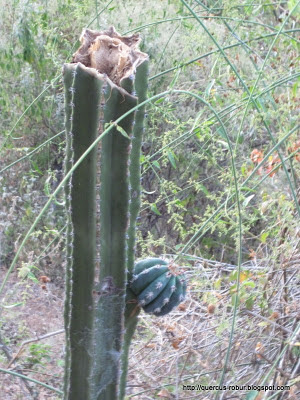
{"x":140,"y":89}
{"x":83,"y":91}
{"x":114,"y":202}
{"x":136,"y":85}
{"x":99,"y":86}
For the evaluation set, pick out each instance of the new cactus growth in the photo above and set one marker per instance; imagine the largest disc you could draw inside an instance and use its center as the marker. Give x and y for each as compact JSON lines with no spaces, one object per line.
{"x":158,"y":285}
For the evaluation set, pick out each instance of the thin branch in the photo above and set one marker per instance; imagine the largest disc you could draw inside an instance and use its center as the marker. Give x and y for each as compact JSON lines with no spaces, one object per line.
{"x":36,"y":339}
{"x":269,"y":321}
{"x":5,"y":371}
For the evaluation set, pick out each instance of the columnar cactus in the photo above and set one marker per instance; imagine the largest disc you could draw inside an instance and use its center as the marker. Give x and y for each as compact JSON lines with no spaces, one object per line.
{"x":105,"y":290}
{"x":99,"y":87}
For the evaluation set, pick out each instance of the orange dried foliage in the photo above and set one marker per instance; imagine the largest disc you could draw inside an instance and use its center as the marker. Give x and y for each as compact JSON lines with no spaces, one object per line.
{"x":256,"y":156}
{"x":273,"y":161}
{"x":150,"y":346}
{"x":275,"y":315}
{"x":44,"y":279}
{"x":295,"y":147}
{"x":176,"y":342}
{"x":259,"y":349}
{"x":181,"y":307}
{"x":252,"y":254}
{"x":211,"y":308}
{"x":165,"y":394}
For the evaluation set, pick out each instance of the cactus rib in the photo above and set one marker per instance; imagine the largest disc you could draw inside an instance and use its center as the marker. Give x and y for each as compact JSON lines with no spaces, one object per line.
{"x":114,"y":198}
{"x":148,"y":263}
{"x":82,"y":128}
{"x":163,"y":298}
{"x":146,"y":277}
{"x":140,"y":88}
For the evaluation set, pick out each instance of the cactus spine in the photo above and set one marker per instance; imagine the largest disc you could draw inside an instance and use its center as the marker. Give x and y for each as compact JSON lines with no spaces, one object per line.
{"x":95,"y":300}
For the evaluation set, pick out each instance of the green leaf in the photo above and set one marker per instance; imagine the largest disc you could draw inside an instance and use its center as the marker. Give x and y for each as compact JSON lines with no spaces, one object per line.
{"x":291,"y":5}
{"x":204,"y":190}
{"x":244,"y":171}
{"x":47,"y":186}
{"x":171,"y":157}
{"x":295,"y":89}
{"x":155,"y":209}
{"x":159,"y":100}
{"x":232,"y":289}
{"x":249,"y":283}
{"x":247,"y":189}
{"x":209,"y":87}
{"x":35,"y":166}
{"x":156,"y":164}
{"x":263,"y":324}
{"x":121,"y":130}
{"x":233,"y":276}
{"x":249,"y":303}
{"x":13,"y":305}
{"x":217,"y":284}
{"x":224,"y":144}
{"x":241,"y":139}
{"x":198,"y":132}
{"x":187,"y":25}
{"x":32,"y":277}
{"x":220,"y":131}
{"x":248,"y":199}
{"x":263,"y":237}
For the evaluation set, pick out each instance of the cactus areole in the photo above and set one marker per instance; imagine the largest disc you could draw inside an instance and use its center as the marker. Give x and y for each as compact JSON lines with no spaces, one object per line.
{"x":104,"y":289}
